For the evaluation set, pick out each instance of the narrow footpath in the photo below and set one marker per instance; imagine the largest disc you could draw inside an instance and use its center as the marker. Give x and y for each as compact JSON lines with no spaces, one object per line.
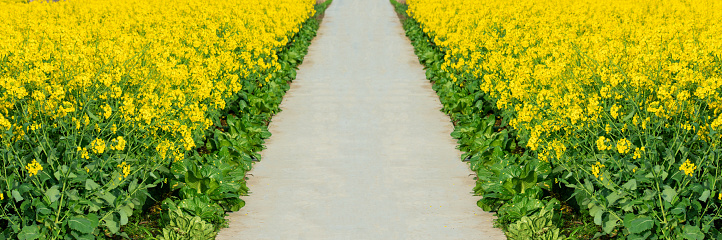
{"x":361,"y":150}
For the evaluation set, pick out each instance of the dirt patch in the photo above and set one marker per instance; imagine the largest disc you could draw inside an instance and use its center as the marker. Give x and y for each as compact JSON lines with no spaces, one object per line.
{"x":400,"y":12}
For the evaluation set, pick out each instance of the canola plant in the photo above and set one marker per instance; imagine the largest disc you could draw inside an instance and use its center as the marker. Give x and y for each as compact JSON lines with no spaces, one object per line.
{"x":620,"y":100}
{"x":101,"y":101}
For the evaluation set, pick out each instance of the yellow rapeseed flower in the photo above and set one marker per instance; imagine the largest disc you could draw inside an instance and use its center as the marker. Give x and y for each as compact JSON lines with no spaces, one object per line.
{"x":83,"y":152}
{"x":98,"y":146}
{"x":602,"y":144}
{"x":688,"y":168}
{"x":124,"y":168}
{"x":638,"y":153}
{"x":596,"y":170}
{"x":623,"y":145}
{"x":118,"y":144}
{"x":107,"y":111}
{"x":33,"y":167}
{"x":4,"y":123}
{"x":614,"y":111}
{"x":34,"y":126}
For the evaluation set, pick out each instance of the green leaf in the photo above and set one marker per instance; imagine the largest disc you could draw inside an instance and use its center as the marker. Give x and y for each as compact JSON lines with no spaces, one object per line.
{"x":91,"y":115}
{"x":704,"y":196}
{"x":596,"y":212}
{"x":630,"y":185}
{"x":112,"y":224}
{"x":76,"y":236}
{"x":108,"y":197}
{"x":93,"y":218}
{"x":125,"y":212}
{"x":53,"y":194}
{"x":612,"y":198}
{"x":609,"y":225}
{"x":265,"y":134}
{"x":529,"y":181}
{"x":81,"y":224}
{"x":629,"y":116}
{"x":692,"y":233}
{"x":640,"y":224}
{"x":17,"y":195}
{"x":669,"y":194}
{"x":598,"y":217}
{"x":91,"y":185}
{"x":644,"y":236}
{"x":29,"y":233}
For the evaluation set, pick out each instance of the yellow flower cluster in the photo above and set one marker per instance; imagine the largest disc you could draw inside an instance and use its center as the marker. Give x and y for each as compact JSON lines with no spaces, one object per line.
{"x":638,"y":152}
{"x":602,"y":144}
{"x":83,"y":152}
{"x":597,"y":170}
{"x":623,"y":145}
{"x":154,"y":69}
{"x":568,"y":67}
{"x":124,"y":168}
{"x":98,"y":146}
{"x":688,"y":168}
{"x":118,"y":144}
{"x":34,"y":167}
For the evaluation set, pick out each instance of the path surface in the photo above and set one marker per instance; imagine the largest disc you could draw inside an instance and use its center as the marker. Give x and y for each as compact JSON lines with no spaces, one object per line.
{"x":361,"y":150}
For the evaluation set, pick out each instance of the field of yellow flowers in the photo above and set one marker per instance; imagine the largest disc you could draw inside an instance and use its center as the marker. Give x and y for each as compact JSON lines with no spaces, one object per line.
{"x":612,"y":107}
{"x":108,"y":108}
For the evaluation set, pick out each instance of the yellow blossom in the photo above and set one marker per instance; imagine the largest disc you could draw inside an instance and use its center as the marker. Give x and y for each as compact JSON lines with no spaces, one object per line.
{"x":638,"y":152}
{"x":623,"y":145}
{"x":125,"y":169}
{"x":688,"y":168}
{"x":596,"y":170}
{"x":107,"y":111}
{"x":83,"y":152}
{"x":118,"y":144}
{"x":614,"y":111}
{"x":4,"y":123}
{"x":98,"y":146}
{"x":33,"y":167}
{"x":602,"y":144}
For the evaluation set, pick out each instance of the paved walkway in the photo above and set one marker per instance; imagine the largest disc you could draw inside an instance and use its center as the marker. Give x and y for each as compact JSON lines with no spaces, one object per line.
{"x":361,"y":150}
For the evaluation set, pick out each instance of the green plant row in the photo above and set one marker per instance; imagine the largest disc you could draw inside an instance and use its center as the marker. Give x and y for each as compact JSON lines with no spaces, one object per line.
{"x":512,"y":181}
{"x":210,"y":182}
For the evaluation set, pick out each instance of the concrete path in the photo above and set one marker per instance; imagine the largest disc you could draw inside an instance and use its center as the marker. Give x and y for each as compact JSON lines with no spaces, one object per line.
{"x":361,"y":150}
